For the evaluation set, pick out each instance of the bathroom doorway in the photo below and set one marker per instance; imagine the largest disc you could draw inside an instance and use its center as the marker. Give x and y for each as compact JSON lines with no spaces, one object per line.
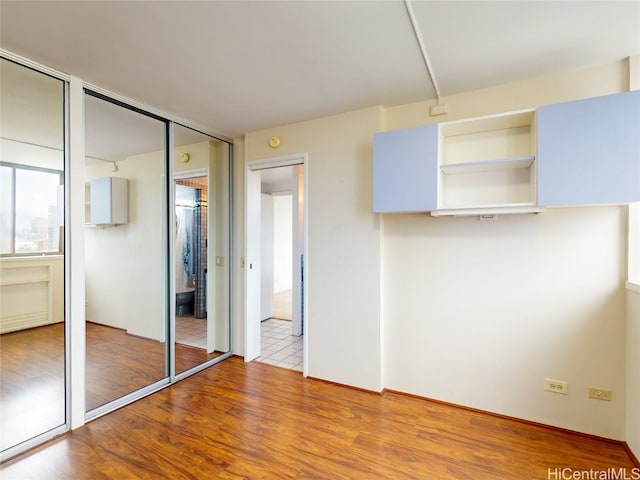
{"x":200,"y":250}
{"x":191,"y":261}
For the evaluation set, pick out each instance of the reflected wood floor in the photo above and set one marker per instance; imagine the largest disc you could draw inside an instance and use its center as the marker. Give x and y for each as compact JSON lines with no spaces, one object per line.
{"x":255,"y":421}
{"x":31,"y":383}
{"x":32,"y":374}
{"x":119,"y":363}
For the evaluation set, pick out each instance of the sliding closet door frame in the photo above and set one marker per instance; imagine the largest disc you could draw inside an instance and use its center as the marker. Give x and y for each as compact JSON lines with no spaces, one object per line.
{"x":168,"y":156}
{"x":74,"y":274}
{"x":66,"y":100}
{"x":169,"y":246}
{"x":74,"y":251}
{"x":230,"y":277}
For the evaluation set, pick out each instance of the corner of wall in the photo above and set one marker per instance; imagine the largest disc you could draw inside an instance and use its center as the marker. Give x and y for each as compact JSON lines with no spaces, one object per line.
{"x":633,"y":372}
{"x":633,"y":309}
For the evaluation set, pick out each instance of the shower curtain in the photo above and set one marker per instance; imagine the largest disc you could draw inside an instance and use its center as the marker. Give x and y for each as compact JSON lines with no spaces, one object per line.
{"x":184,"y":256}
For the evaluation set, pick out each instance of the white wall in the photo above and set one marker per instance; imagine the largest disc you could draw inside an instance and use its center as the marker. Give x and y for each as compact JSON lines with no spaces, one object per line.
{"x":633,"y":370}
{"x":125,"y":265}
{"x":266,"y":256}
{"x":282,"y":242}
{"x":199,"y":156}
{"x":480,"y":313}
{"x":219,"y":222}
{"x":343,"y":264}
{"x":633,"y":305}
{"x":31,"y":114}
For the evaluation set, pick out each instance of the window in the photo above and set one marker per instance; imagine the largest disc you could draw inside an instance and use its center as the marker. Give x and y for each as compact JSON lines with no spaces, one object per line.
{"x":30,"y":211}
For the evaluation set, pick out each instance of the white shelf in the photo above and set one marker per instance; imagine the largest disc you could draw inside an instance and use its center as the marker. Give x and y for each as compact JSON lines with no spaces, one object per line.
{"x":501,"y":209}
{"x":487,"y":165}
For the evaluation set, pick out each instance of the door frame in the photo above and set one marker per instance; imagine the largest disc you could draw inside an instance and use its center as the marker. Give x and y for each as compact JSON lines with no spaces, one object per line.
{"x":182,"y":175}
{"x":251,"y":265}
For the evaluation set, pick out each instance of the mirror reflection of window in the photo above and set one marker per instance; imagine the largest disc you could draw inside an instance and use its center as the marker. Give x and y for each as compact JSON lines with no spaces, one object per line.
{"x":32,"y":370}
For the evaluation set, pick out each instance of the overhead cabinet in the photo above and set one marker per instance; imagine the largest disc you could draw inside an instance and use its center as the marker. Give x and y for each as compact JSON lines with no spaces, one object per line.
{"x":405,"y":170}
{"x":576,"y":153}
{"x":107,"y":201}
{"x":456,"y":167}
{"x":589,"y":151}
{"x":487,"y":164}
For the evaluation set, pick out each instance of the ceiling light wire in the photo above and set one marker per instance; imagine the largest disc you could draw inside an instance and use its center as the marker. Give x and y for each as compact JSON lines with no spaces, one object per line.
{"x":423,"y":50}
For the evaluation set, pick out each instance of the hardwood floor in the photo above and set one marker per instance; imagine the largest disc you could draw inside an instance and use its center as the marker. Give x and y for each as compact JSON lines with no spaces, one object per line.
{"x":118,"y":364}
{"x":32,"y":374}
{"x":255,"y":421}
{"x":31,"y":383}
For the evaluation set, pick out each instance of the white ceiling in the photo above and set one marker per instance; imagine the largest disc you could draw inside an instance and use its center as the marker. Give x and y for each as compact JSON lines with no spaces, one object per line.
{"x":280,"y":180}
{"x":239,"y":66}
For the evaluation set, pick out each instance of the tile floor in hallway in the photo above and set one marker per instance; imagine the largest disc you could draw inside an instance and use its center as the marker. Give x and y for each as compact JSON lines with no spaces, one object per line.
{"x":278,"y":346}
{"x":191,"y":331}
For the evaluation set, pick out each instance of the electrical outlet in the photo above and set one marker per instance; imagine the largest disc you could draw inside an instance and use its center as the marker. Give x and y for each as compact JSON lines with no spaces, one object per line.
{"x":600,"y":394}
{"x":556,"y":386}
{"x":220,"y":261}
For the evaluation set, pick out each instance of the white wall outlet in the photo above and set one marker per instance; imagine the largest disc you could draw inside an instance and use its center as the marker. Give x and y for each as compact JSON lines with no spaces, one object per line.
{"x":556,"y":386}
{"x":600,"y":394}
{"x":220,"y":261}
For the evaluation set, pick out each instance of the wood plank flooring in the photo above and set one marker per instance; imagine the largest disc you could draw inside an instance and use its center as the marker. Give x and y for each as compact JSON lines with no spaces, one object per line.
{"x":119,"y":363}
{"x":255,"y":421}
{"x":31,"y":383}
{"x":32,"y":374}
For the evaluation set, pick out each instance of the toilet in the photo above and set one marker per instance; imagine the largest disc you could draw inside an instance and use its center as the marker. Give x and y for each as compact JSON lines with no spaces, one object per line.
{"x":184,"y":303}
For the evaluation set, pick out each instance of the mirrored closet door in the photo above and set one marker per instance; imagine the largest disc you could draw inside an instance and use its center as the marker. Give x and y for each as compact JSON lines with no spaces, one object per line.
{"x":126,"y":244}
{"x":201,"y":251}
{"x":32,"y":261}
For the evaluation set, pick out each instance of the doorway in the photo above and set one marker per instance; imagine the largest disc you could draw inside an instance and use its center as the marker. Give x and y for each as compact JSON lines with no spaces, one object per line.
{"x":191,"y":261}
{"x":200,"y":250}
{"x":275,"y":323}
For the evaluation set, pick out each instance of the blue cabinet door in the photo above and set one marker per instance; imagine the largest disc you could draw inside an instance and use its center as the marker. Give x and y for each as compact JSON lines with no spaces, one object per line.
{"x":405,"y":170}
{"x":589,"y":151}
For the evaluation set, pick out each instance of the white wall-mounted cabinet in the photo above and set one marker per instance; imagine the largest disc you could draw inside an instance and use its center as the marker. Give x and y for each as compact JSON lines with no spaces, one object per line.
{"x":589,"y":151}
{"x":107,"y":201}
{"x":487,"y":163}
{"x":575,"y":153}
{"x":405,"y":166}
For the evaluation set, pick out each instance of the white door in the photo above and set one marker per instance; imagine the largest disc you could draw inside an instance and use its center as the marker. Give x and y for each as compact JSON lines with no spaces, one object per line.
{"x":252,"y":278}
{"x":266,"y":256}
